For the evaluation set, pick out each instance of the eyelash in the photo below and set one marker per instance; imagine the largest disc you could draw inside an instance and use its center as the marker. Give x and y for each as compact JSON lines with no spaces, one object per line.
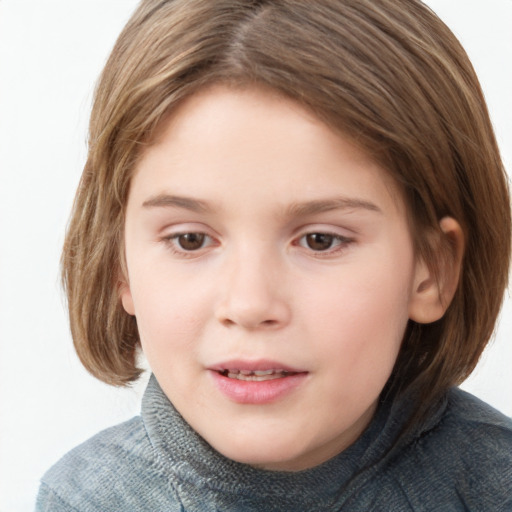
{"x":172,"y":241}
{"x":341,"y":243}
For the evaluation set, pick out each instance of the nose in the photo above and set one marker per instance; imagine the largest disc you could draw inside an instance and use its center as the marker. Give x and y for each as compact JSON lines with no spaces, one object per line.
{"x":253,"y":294}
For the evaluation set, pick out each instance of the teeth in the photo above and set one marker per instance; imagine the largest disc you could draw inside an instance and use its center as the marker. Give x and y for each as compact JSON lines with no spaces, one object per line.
{"x":266,"y":372}
{"x":256,"y":375}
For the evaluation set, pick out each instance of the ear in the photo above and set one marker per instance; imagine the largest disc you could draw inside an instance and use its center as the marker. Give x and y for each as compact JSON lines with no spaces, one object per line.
{"x":125,"y":295}
{"x":432,"y":294}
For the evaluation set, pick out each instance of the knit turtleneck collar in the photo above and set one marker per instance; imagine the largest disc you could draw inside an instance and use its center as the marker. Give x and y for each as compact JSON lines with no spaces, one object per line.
{"x":199,"y":474}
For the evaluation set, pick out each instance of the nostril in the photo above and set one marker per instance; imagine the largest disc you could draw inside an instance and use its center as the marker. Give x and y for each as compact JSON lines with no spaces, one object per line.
{"x":252,"y":312}
{"x":228,"y":322}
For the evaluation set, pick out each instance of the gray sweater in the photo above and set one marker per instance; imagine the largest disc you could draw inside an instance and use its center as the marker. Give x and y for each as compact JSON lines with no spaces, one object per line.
{"x":459,"y":460}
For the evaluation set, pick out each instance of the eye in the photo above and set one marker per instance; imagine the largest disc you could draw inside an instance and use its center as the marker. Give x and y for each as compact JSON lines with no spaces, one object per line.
{"x":319,"y":241}
{"x":322,"y":242}
{"x":189,"y":242}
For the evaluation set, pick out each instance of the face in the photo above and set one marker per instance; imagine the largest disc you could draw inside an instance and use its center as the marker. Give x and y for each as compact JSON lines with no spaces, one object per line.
{"x":272,"y":275}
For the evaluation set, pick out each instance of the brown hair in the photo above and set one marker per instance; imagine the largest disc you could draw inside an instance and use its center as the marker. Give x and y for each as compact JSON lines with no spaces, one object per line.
{"x":388,"y":73}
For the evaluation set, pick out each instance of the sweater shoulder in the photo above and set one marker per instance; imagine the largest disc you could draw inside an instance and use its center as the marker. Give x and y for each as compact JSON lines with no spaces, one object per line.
{"x":466,"y":409}
{"x":465,"y":458}
{"x":481,"y":437}
{"x":106,"y":473}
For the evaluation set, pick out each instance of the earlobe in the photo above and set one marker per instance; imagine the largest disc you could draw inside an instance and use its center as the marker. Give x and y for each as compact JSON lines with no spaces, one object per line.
{"x":126,"y":298}
{"x":433,"y":291}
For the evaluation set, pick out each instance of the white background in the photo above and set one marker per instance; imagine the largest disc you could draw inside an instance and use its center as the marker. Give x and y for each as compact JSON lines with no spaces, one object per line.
{"x":51,"y":52}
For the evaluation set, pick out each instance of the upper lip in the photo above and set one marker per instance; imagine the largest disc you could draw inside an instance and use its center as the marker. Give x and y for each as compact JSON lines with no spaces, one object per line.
{"x":256,"y":365}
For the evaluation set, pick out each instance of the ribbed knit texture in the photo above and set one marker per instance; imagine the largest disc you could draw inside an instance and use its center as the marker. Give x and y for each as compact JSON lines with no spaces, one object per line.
{"x":459,"y":460}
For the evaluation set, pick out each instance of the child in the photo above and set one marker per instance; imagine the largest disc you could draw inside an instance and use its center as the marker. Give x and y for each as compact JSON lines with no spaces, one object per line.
{"x":298,"y":212}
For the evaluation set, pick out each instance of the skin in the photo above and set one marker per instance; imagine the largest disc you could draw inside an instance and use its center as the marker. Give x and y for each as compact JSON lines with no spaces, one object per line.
{"x":254,"y":173}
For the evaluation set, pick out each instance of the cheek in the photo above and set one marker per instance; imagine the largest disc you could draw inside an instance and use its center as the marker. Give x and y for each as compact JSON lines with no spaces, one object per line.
{"x":360,"y":322}
{"x":169,"y":312}
{"x":367,"y":297}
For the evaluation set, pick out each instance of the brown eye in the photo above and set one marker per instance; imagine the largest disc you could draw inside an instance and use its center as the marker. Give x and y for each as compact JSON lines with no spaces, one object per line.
{"x":191,"y":241}
{"x":319,"y":241}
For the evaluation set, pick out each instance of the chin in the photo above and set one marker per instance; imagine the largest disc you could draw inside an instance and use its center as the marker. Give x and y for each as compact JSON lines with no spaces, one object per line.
{"x":272,"y":456}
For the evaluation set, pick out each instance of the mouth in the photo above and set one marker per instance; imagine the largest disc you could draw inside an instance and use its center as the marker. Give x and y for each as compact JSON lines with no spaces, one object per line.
{"x":259,"y":382}
{"x":256,"y":375}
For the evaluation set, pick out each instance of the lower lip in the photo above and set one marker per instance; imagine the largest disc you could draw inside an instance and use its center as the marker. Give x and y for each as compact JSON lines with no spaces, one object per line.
{"x":257,"y":392}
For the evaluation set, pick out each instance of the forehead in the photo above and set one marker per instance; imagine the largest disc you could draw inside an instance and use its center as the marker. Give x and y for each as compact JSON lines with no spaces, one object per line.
{"x":225,"y":142}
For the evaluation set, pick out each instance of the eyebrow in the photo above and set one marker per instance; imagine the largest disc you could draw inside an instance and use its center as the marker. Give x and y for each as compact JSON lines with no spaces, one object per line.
{"x":301,"y":209}
{"x":170,"y":201}
{"x":325,"y":205}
